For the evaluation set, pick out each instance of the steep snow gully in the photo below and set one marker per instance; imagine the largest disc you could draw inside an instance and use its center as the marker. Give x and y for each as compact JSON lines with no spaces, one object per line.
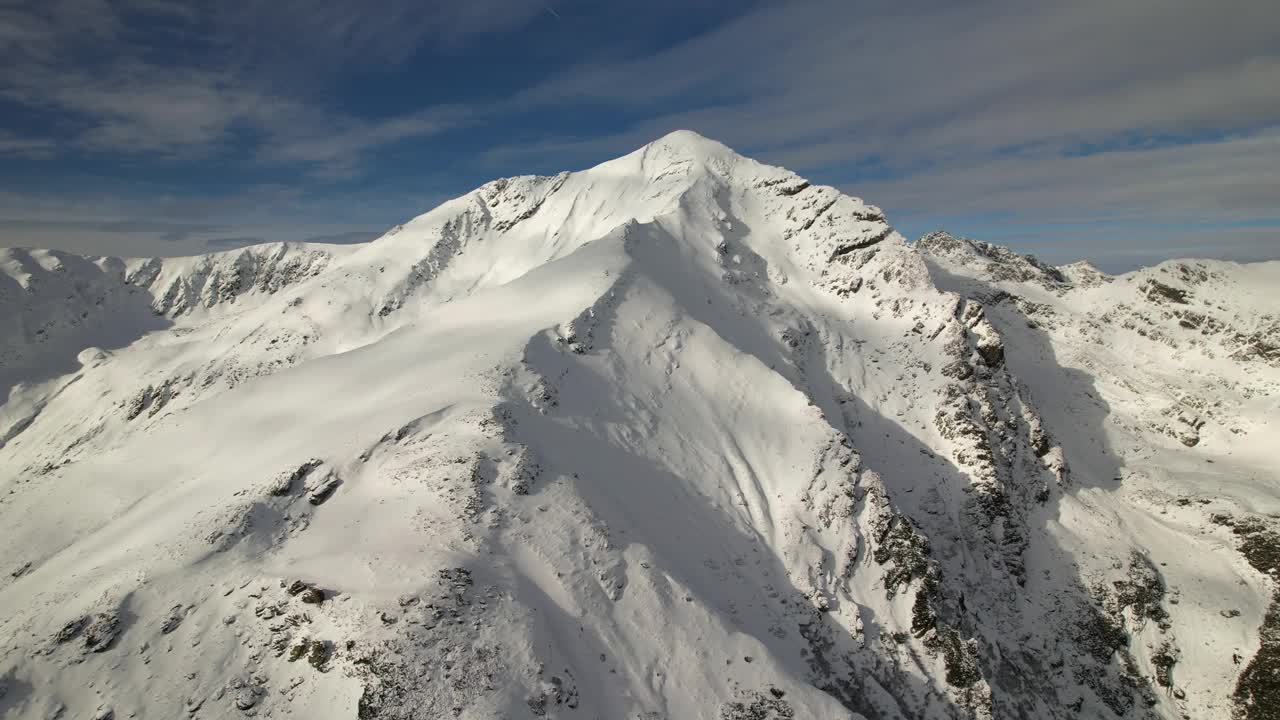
{"x":678,"y":436}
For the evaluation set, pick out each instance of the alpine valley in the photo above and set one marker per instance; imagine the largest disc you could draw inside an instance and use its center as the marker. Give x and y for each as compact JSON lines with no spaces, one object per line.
{"x":678,"y":436}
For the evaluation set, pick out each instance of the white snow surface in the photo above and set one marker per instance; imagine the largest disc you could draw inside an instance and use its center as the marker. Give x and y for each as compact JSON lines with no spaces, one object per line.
{"x":677,"y":436}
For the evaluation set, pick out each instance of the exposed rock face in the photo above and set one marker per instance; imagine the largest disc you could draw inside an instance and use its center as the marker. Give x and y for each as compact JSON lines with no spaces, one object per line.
{"x":183,"y":285}
{"x":98,"y":631}
{"x":1257,"y":691}
{"x":288,"y":481}
{"x":997,"y":263}
{"x":682,"y":435}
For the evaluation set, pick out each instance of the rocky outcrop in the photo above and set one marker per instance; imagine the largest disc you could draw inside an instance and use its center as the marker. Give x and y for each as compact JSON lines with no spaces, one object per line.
{"x":98,"y":632}
{"x":993,"y":263}
{"x":1257,"y":692}
{"x":182,"y":285}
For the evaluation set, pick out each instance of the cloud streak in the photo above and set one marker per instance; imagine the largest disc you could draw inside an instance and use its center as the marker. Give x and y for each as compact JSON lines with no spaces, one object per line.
{"x":930,"y":77}
{"x":1227,"y":180}
{"x":134,"y":221}
{"x":105,"y":69}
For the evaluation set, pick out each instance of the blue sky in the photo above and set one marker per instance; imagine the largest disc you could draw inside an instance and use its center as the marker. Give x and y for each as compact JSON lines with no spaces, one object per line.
{"x":1124,"y":133}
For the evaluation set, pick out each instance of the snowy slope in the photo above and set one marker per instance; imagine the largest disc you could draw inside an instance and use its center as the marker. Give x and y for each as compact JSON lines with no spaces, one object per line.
{"x":677,"y":436}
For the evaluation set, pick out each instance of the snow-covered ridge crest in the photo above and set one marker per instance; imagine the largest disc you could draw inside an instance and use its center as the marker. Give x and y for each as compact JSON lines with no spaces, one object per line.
{"x":677,"y":436}
{"x":527,"y":221}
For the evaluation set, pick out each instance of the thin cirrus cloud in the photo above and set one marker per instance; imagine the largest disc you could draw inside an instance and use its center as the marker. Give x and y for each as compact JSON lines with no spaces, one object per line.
{"x":24,"y":146}
{"x":158,"y":224}
{"x":949,"y":73}
{"x":945,"y":78}
{"x":130,"y":92}
{"x":171,"y":231}
{"x":389,"y":33}
{"x":233,"y":242}
{"x":1087,"y":127}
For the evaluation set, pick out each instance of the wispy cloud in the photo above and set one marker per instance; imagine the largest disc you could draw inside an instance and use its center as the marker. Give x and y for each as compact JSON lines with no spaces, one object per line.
{"x":106,"y":70}
{"x":15,"y":145}
{"x":346,"y":238}
{"x":335,"y":146}
{"x":935,"y":77}
{"x":173,"y":231}
{"x":230,"y":243}
{"x":337,"y":31}
{"x":143,"y":220}
{"x":1225,"y":180}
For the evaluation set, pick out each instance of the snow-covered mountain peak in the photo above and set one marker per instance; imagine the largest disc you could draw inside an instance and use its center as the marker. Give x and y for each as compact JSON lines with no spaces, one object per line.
{"x":994,"y":262}
{"x":1083,"y":272}
{"x":703,"y":193}
{"x":685,"y":150}
{"x":692,"y":143}
{"x":681,"y":435}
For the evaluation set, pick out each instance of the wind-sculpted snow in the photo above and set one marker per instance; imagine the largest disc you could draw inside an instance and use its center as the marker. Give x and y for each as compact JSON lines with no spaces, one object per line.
{"x":678,"y":436}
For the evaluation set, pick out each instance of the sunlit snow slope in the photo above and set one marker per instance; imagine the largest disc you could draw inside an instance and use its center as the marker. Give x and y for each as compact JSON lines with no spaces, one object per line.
{"x":679,"y":436}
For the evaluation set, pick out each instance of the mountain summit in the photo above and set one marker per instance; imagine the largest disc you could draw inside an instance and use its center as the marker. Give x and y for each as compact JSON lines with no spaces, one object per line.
{"x":678,"y":436}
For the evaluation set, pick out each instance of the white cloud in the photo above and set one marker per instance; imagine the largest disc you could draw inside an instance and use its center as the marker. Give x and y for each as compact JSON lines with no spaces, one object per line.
{"x":929,"y":77}
{"x":119,"y":94}
{"x":146,"y":220}
{"x":1227,"y":181}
